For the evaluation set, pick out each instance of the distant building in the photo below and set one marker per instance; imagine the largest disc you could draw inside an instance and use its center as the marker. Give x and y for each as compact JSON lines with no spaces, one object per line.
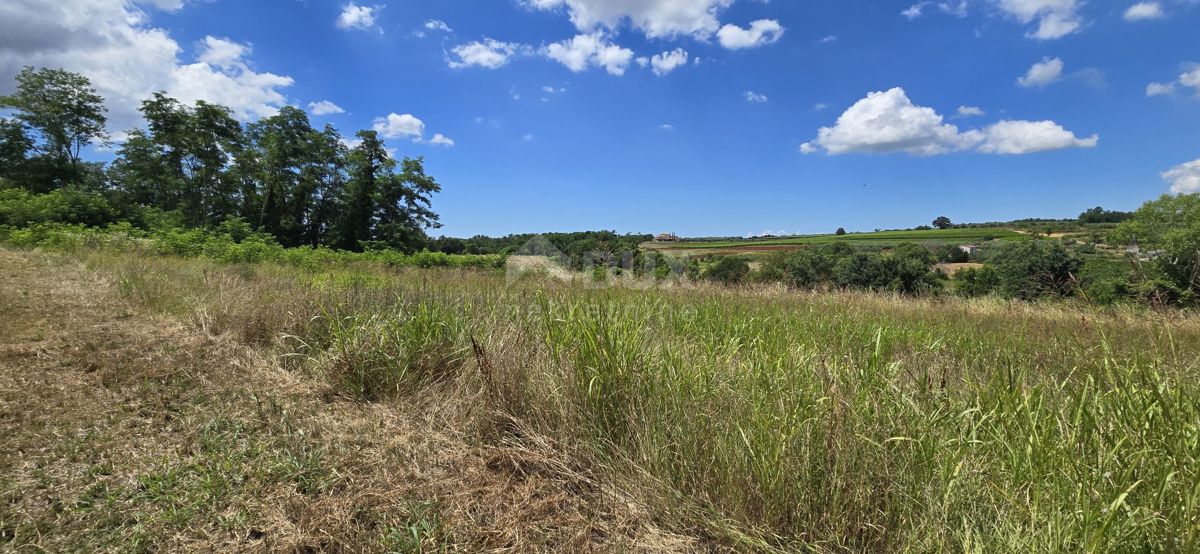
{"x":666,"y":237}
{"x":970,"y":249}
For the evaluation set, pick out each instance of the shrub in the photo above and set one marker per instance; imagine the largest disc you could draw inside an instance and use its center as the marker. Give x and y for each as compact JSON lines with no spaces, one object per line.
{"x":1034,"y":269}
{"x":729,"y":270}
{"x":976,"y":281}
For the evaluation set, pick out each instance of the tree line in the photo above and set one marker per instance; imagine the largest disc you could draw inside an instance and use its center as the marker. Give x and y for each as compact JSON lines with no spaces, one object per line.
{"x":198,"y":166}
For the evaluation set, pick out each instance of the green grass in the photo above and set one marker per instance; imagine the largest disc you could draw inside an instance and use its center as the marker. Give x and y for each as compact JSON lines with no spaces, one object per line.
{"x":824,"y":422}
{"x":758,"y":419}
{"x":882,"y":238}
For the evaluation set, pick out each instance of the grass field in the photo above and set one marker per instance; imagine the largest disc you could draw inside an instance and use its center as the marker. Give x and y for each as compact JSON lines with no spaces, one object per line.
{"x":881,"y":238}
{"x":683,"y":418}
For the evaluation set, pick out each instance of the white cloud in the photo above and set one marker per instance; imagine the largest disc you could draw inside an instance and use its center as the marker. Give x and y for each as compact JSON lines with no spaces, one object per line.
{"x":666,"y":62}
{"x":1184,"y":178}
{"x":1042,"y":73}
{"x":763,"y":31}
{"x":820,"y":106}
{"x":1027,"y":137}
{"x":887,"y":122}
{"x":1143,"y":11}
{"x":357,"y":17}
{"x":438,"y":25}
{"x":324,"y":107}
{"x":490,"y":53}
{"x":969,"y":111}
{"x":655,"y":18}
{"x":666,"y":127}
{"x":400,"y":126}
{"x":827,"y":39}
{"x":594,"y":49}
{"x":1189,"y":77}
{"x":441,"y":140}
{"x":1054,"y":18}
{"x":914,"y":11}
{"x":755,"y":97}
{"x":1159,"y":89}
{"x":956,"y":9}
{"x":113,"y":44}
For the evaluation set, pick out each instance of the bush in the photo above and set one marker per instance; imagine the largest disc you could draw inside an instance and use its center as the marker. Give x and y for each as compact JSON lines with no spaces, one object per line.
{"x":1034,"y":269}
{"x":973,"y":281}
{"x":729,"y":270}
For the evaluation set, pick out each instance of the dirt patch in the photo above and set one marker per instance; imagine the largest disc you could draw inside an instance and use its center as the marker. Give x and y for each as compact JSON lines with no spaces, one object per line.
{"x":951,"y":269}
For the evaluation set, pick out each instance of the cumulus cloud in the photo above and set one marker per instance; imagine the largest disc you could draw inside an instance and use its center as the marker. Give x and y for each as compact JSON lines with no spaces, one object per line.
{"x":324,"y":107}
{"x":1189,"y":77}
{"x":355,"y":17}
{"x":441,"y":140}
{"x":1054,"y":18}
{"x":1042,"y":73}
{"x":1159,"y":89}
{"x":969,"y":111}
{"x":1143,"y":11}
{"x":587,"y":50}
{"x":754,"y":97}
{"x":1184,"y":178}
{"x":400,"y":126}
{"x":763,"y":31}
{"x":113,"y":43}
{"x":490,"y":54}
{"x":666,"y":62}
{"x":655,"y":18}
{"x":1027,"y":137}
{"x":887,"y":122}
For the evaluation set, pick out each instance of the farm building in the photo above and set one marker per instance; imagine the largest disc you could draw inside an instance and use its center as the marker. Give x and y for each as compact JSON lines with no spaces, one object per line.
{"x":970,"y":249}
{"x":666,"y":237}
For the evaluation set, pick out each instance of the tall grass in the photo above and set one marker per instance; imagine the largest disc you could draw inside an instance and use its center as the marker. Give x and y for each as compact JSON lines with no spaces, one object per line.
{"x":824,"y":422}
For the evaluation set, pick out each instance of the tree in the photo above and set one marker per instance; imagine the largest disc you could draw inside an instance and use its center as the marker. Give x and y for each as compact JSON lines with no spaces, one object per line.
{"x":1032,"y":269}
{"x":729,"y":270}
{"x":15,"y":145}
{"x":403,"y":206}
{"x":367,"y":163}
{"x":1101,"y":215}
{"x":840,"y":231}
{"x":1167,"y":232}
{"x":942,"y":222}
{"x":67,"y":115}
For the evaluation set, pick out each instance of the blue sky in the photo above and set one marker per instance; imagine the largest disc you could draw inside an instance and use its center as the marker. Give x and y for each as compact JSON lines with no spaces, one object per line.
{"x":787,"y":116}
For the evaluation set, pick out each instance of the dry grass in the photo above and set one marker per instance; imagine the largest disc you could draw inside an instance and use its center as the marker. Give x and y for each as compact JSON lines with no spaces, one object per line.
{"x":262,"y":407}
{"x":127,"y":429}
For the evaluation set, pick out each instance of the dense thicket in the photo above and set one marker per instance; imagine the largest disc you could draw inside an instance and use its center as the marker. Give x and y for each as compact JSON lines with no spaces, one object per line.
{"x":299,"y":184}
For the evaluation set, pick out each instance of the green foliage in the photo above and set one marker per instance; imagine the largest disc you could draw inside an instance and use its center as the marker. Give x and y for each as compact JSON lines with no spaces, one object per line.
{"x":950,"y":254}
{"x":1167,"y":232}
{"x":1101,"y":215}
{"x":942,"y":222}
{"x":840,"y":231}
{"x":19,"y":208}
{"x":1036,"y":269}
{"x":974,"y":281}
{"x":729,"y":270}
{"x":65,"y":113}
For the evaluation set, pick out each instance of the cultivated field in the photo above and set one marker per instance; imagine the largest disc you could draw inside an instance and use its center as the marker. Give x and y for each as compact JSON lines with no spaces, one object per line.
{"x":877,"y":239}
{"x":175,"y":404}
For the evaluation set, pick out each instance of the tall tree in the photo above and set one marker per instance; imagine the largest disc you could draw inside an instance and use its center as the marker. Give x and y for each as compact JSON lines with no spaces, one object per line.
{"x":367,"y":163}
{"x":403,"y":206}
{"x":15,"y":145}
{"x":67,"y":115}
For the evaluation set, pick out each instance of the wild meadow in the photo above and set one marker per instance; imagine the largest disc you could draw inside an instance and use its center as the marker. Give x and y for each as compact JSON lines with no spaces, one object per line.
{"x":759,"y":418}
